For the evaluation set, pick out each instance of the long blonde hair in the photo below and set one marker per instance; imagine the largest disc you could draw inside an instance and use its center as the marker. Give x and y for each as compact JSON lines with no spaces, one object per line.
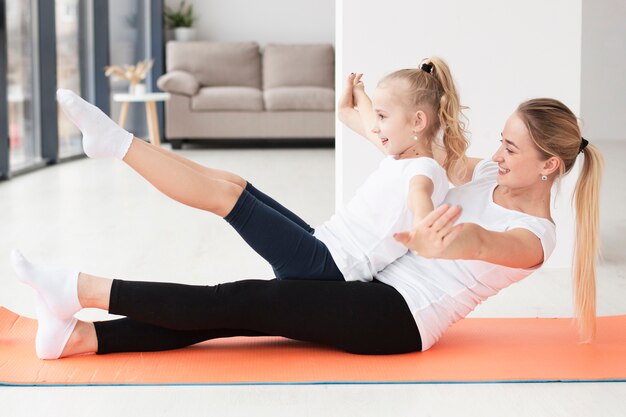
{"x":554,"y":130}
{"x":436,"y":90}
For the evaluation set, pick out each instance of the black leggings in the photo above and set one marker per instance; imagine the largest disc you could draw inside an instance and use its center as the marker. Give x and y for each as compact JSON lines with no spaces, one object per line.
{"x":357,"y":317}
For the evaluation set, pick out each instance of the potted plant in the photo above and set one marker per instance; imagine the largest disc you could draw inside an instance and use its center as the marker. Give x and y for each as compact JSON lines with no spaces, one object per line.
{"x":133,"y":73}
{"x":180,"y":21}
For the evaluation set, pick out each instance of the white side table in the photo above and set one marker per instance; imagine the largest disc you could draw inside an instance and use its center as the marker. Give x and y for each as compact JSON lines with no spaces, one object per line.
{"x":151,"y":115}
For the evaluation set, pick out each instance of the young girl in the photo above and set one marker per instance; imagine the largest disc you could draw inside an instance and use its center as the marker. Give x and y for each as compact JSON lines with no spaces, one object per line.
{"x":356,"y":242}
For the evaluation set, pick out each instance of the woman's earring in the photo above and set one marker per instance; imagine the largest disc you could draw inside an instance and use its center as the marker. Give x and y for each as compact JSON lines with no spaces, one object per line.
{"x":414,"y":137}
{"x":544,"y":178}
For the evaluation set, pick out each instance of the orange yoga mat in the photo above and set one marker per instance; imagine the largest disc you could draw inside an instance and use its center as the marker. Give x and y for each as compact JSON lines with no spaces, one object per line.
{"x":473,"y":350}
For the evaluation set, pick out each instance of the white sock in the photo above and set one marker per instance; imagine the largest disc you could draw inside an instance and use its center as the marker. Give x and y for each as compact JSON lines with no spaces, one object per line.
{"x":52,"y":332}
{"x":102,"y":137}
{"x":58,"y":287}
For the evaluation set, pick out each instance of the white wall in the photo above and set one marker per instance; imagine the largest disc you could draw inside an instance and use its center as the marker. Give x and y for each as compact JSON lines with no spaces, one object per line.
{"x":267,"y":21}
{"x":500,"y":54}
{"x":603,"y":66}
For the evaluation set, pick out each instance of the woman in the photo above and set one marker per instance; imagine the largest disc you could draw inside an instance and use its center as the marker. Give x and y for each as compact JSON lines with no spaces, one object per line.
{"x":504,"y":233}
{"x":358,"y":241}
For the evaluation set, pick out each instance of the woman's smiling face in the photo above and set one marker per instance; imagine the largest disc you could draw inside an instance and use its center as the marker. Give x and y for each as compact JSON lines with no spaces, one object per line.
{"x":519,"y":160}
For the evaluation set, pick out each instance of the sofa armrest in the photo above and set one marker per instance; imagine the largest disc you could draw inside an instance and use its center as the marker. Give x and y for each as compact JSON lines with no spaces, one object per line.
{"x":179,"y":82}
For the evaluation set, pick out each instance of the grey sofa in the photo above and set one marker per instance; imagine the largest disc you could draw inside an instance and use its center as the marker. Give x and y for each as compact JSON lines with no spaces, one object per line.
{"x":233,"y":91}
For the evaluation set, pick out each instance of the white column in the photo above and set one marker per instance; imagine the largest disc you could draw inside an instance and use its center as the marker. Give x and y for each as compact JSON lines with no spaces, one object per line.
{"x":603,"y":63}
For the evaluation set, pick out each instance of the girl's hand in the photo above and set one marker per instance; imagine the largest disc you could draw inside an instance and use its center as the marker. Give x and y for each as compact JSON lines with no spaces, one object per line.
{"x":358,"y":92}
{"x":431,"y":236}
{"x":354,"y":110}
{"x":357,"y":83}
{"x":347,"y":97}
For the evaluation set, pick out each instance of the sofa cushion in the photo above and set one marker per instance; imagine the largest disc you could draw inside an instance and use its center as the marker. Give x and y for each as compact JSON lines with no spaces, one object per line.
{"x":310,"y":65}
{"x":228,"y":98}
{"x":217,"y":63}
{"x":299,"y":98}
{"x":178,"y":82}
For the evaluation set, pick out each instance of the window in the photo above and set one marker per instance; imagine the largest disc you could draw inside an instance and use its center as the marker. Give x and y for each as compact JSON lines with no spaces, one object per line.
{"x":24,"y":143}
{"x":68,"y":56}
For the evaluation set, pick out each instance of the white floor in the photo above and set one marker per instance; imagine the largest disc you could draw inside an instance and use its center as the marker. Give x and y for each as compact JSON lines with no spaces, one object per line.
{"x":100,"y":217}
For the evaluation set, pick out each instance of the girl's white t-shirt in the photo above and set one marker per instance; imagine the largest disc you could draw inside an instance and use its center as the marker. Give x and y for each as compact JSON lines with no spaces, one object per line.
{"x":440,"y":292}
{"x":360,"y":235}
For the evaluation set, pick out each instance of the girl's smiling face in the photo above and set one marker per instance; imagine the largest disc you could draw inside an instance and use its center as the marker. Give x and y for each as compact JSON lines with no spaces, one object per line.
{"x":395,"y":125}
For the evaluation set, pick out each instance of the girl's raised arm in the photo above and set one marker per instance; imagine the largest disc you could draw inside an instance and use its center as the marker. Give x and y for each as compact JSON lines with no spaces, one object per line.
{"x":359,"y":121}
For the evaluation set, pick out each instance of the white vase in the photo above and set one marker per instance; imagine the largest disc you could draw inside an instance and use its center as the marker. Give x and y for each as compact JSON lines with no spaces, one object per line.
{"x":137,"y":89}
{"x":184,"y":34}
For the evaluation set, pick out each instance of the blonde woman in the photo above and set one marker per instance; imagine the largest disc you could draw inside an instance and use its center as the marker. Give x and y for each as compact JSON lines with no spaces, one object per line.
{"x":357,"y":241}
{"x":458,"y":259}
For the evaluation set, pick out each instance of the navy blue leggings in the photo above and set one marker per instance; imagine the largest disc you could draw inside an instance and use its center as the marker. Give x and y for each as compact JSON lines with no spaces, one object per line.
{"x":282,"y":238}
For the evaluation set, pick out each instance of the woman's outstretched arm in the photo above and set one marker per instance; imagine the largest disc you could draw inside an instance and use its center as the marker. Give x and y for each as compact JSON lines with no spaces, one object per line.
{"x":438,"y":237}
{"x":517,"y":248}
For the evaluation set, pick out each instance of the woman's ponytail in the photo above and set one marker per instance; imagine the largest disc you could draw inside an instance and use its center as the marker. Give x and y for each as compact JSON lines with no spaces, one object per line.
{"x":554,"y":130}
{"x":586,"y":198}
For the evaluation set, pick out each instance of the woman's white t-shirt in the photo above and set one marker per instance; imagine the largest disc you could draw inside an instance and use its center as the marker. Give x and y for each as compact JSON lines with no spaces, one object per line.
{"x":360,"y":235}
{"x":440,"y":292}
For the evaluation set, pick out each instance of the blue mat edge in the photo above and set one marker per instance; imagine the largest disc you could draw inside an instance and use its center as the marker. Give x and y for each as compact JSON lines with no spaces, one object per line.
{"x":538,"y":381}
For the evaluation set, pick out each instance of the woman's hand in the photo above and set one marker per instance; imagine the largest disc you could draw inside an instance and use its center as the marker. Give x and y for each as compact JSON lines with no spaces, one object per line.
{"x":431,"y":236}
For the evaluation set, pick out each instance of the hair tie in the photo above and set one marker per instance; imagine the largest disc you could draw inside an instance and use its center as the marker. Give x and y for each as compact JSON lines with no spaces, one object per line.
{"x":583,"y":145}
{"x":427,"y":68}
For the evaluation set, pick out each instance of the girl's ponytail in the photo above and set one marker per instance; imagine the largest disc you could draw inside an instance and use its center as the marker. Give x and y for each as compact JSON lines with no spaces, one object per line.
{"x":450,"y":113}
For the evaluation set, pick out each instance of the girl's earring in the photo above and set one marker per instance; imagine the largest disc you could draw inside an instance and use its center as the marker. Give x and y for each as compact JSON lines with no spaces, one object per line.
{"x":544,"y":178}
{"x":414,"y":137}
